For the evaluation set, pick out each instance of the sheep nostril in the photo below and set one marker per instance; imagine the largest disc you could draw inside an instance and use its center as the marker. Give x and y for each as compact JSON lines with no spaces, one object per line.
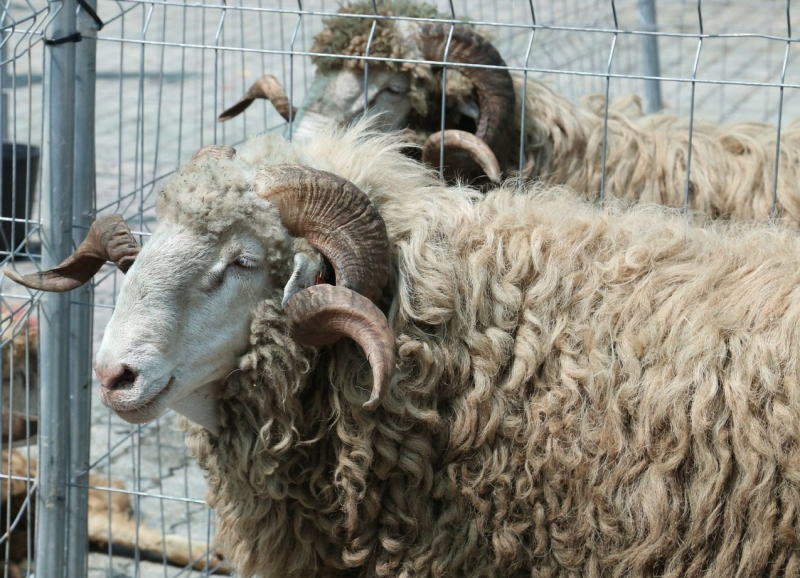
{"x":125,"y":380}
{"x":116,"y":378}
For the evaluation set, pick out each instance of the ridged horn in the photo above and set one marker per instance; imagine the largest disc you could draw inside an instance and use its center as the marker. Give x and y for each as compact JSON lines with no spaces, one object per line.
{"x":266,"y":87}
{"x":109,"y":239}
{"x":467,"y":142}
{"x":216,"y":152}
{"x":322,"y":314}
{"x":494,"y":87}
{"x":337,"y":219}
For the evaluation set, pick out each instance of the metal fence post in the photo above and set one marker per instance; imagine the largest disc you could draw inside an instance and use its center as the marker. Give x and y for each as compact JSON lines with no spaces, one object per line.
{"x":652,"y":67}
{"x":54,"y":344}
{"x":5,"y":82}
{"x":80,"y":382}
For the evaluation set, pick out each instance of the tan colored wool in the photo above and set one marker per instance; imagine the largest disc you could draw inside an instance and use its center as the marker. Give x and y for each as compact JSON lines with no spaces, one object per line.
{"x":578,"y":393}
{"x":732,"y":173}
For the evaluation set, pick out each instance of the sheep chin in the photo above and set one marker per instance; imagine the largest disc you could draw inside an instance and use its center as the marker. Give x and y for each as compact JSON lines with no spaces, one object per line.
{"x":309,"y":125}
{"x":201,"y":406}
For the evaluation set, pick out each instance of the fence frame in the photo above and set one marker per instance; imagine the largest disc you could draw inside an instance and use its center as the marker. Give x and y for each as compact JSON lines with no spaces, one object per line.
{"x":651,"y":65}
{"x":54,"y":323}
{"x":65,"y":332}
{"x":80,"y":337}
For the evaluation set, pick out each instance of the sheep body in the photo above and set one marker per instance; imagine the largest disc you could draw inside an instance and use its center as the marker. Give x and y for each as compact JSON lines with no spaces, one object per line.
{"x":578,"y":392}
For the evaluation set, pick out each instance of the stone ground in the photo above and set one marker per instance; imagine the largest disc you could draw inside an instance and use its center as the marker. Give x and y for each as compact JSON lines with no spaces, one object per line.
{"x":104,"y":566}
{"x":165,"y":70}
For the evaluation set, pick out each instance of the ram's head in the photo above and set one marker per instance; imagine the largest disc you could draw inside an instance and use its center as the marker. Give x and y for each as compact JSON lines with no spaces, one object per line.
{"x":231,"y":235}
{"x":478,"y":100}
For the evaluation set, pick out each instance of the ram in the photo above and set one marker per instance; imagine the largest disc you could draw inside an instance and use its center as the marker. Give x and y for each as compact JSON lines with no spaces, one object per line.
{"x":542,"y":387}
{"x":479,"y":101}
{"x":732,"y":166}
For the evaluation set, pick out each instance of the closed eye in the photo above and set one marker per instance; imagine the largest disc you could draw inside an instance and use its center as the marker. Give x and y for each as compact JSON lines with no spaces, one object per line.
{"x":395,"y":89}
{"x":391,"y":91}
{"x":244,"y":262}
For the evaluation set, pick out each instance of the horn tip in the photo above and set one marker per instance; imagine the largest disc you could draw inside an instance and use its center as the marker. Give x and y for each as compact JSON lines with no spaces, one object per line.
{"x":14,"y":276}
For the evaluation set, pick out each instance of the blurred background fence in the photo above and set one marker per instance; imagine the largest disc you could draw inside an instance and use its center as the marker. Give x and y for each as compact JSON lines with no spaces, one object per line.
{"x":101,"y":100}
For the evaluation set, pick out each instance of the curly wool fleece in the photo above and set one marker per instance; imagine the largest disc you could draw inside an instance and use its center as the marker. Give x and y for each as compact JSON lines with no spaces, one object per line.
{"x":578,"y":393}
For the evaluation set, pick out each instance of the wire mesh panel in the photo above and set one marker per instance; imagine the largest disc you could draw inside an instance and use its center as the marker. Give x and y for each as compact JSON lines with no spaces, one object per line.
{"x":166,"y":69}
{"x":21,"y":124}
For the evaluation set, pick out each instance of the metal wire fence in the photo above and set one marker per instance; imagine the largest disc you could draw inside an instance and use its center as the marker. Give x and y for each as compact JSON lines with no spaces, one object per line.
{"x":115,"y":110}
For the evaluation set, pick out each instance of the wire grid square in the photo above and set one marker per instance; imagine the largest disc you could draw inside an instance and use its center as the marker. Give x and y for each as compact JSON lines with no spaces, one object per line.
{"x":165,"y":69}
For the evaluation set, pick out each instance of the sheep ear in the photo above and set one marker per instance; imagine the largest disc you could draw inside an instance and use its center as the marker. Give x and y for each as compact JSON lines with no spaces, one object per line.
{"x":469,"y":108}
{"x":308,"y":270}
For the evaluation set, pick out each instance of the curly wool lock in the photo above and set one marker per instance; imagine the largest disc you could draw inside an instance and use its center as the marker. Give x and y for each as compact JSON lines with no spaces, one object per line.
{"x":349,"y":36}
{"x":578,"y":392}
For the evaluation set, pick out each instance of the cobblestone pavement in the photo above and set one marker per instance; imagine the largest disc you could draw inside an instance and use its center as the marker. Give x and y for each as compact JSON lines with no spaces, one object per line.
{"x":164,"y":71}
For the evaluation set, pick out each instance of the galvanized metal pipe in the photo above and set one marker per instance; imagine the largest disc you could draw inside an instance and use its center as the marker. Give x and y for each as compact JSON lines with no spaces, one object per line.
{"x":652,"y":66}
{"x":80,"y":381}
{"x":54,"y":345}
{"x":5,"y":86}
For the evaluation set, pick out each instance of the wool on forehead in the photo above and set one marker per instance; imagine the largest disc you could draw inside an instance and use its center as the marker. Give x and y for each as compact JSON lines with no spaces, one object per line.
{"x":214,"y":196}
{"x":349,"y":36}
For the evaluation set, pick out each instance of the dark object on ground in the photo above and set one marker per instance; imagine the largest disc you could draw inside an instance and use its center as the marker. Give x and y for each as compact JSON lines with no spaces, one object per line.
{"x":20,"y":170}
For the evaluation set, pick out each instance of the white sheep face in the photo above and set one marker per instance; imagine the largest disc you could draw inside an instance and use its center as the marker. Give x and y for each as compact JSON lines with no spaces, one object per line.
{"x":338,"y":97}
{"x":181,"y":321}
